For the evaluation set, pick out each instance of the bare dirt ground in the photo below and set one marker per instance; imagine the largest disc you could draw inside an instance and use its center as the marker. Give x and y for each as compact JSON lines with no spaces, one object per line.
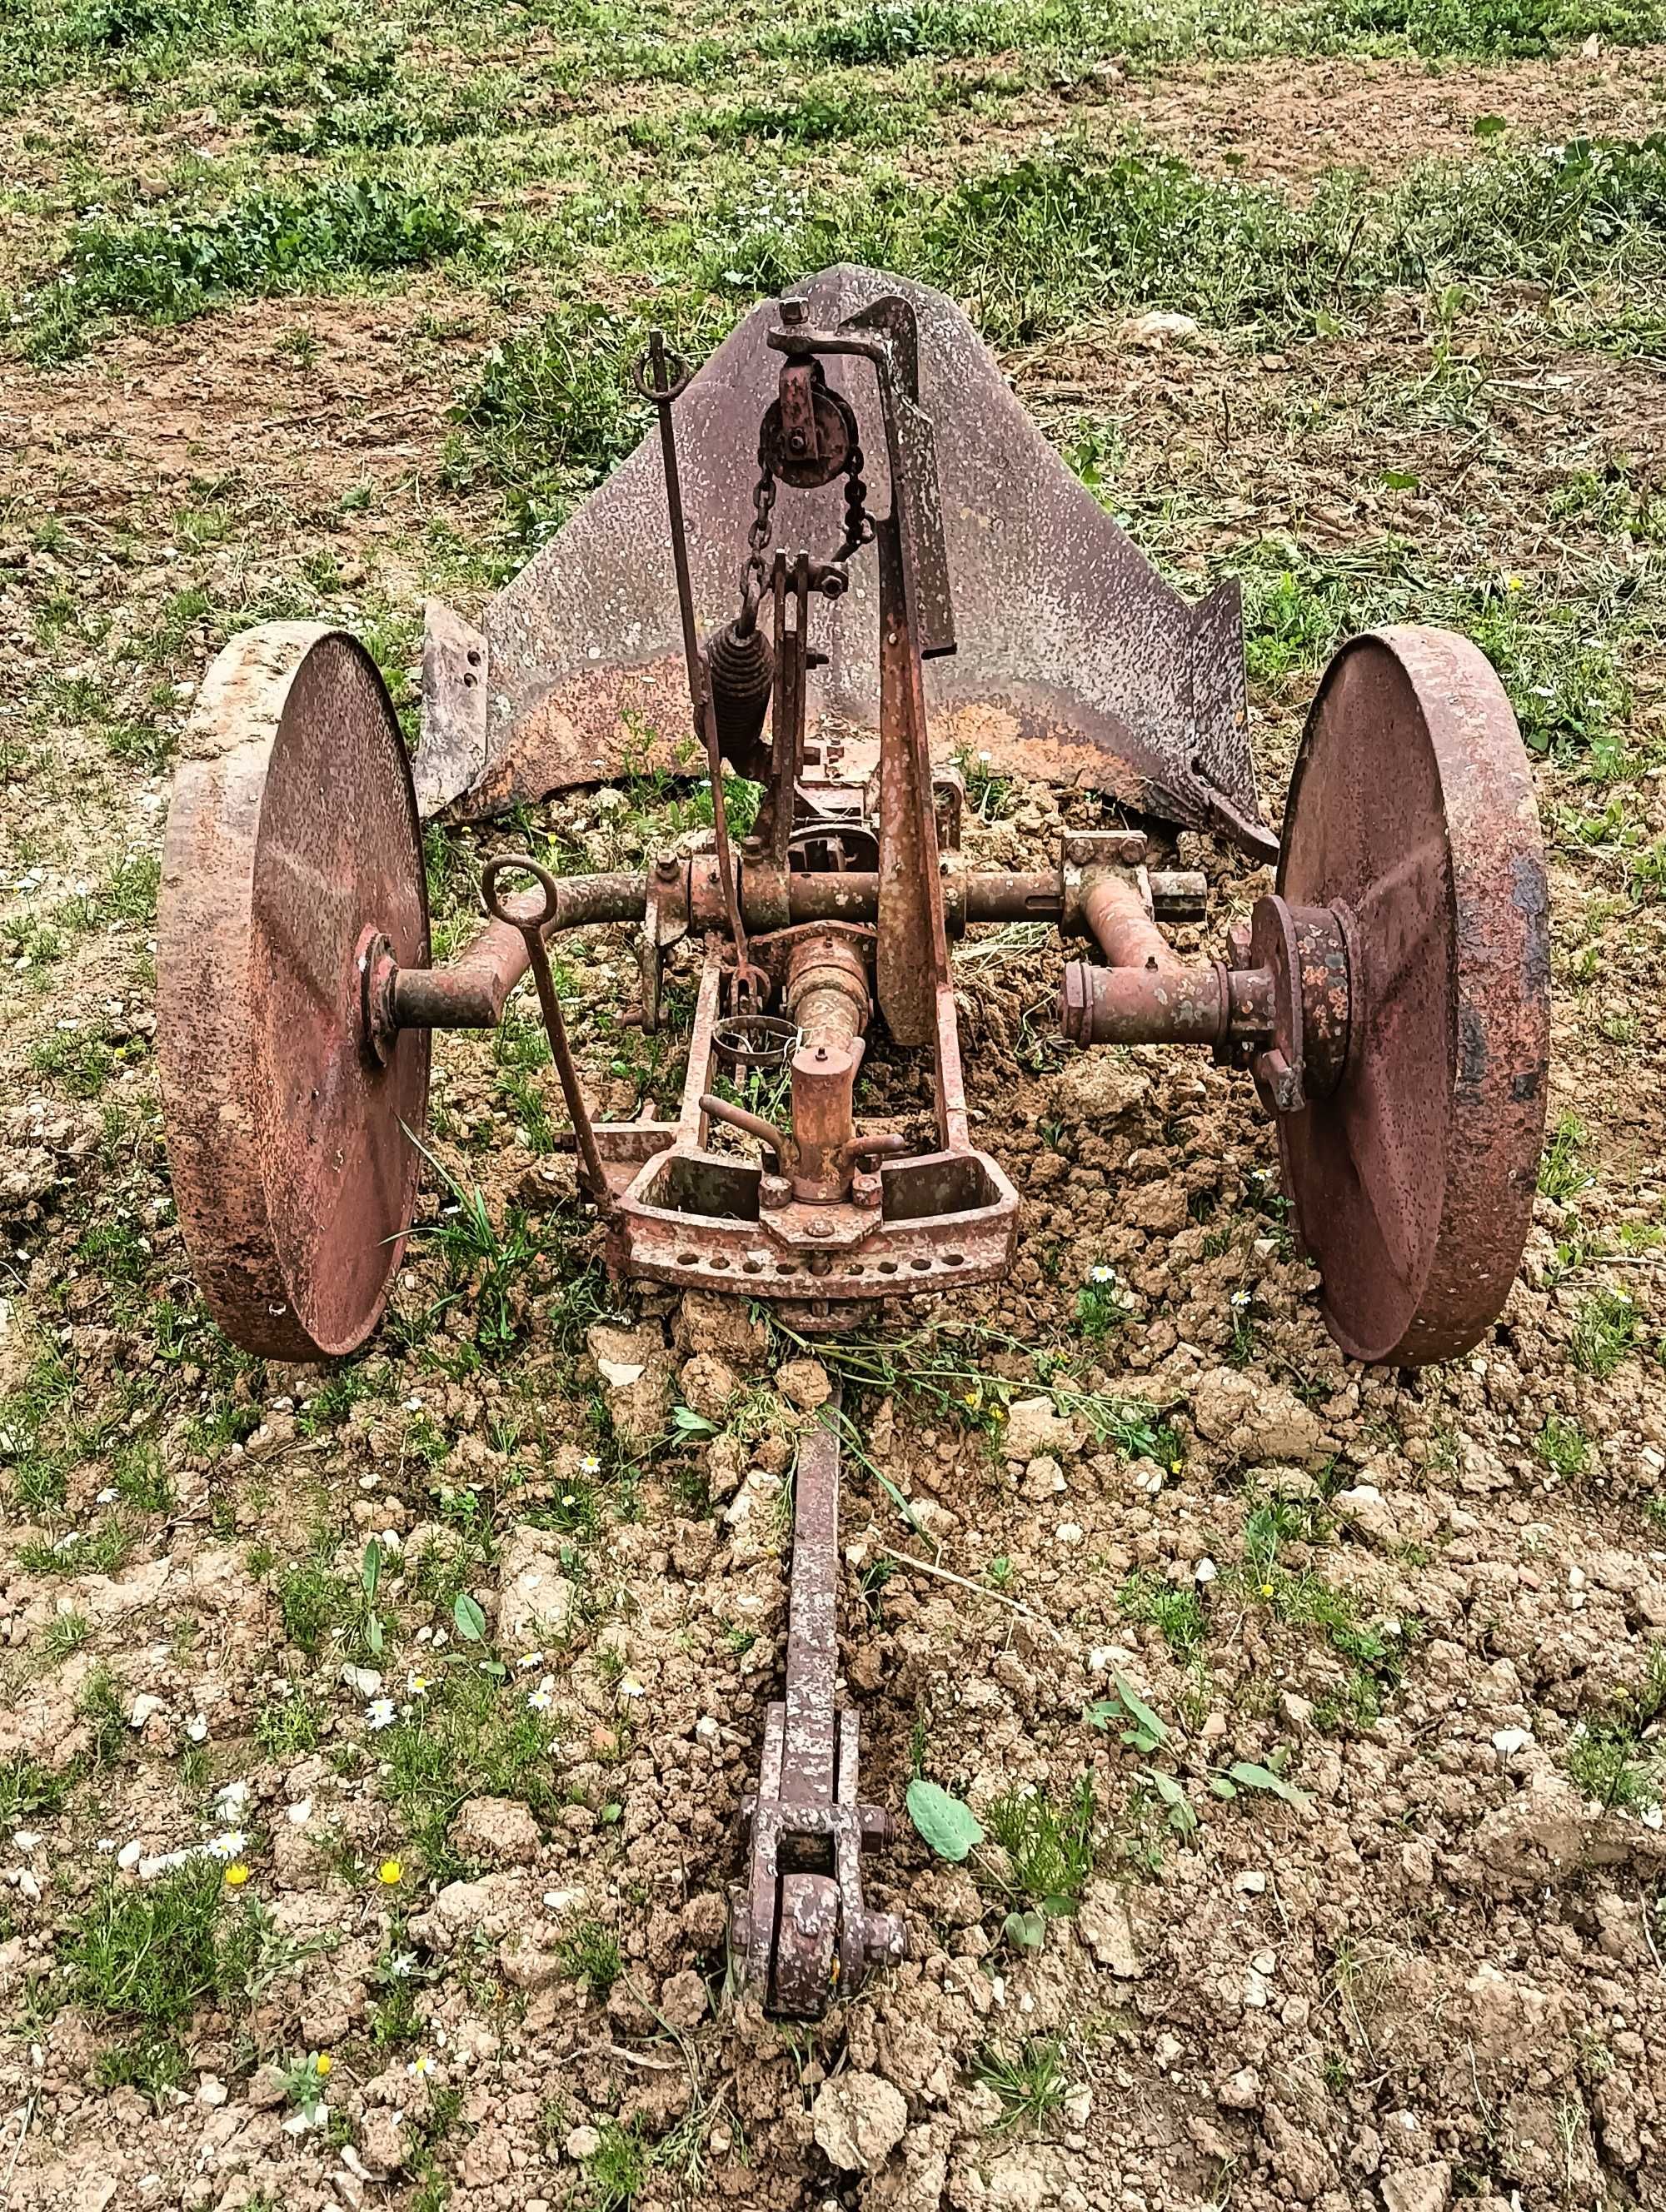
{"x":299,"y":1908}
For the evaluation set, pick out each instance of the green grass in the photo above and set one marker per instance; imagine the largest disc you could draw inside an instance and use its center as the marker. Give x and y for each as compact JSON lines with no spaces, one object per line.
{"x":1030,"y":2081}
{"x":1562,"y":1447}
{"x":29,"y":1791}
{"x":1176,"y":1609}
{"x":588,"y":1951}
{"x":1605,"y":1331}
{"x":147,"y":1951}
{"x":166,"y":270}
{"x":1616,"y":1759}
{"x":469,"y":1738}
{"x":1050,"y":1849}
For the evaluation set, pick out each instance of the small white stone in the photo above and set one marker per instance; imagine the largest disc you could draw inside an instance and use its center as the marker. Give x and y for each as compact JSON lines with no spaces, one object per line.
{"x":211,"y":2090}
{"x":300,"y":1812}
{"x":1510,"y":1740}
{"x":129,"y":1856}
{"x":1250,"y":1885}
{"x":144,"y":1707}
{"x":1204,"y":1571}
{"x":1266,"y":1962}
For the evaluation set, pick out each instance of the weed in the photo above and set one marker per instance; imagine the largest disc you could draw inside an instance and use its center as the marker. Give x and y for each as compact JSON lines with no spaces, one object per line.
{"x":168,"y":270}
{"x":469,"y":1737}
{"x":1175,"y":1607}
{"x":1031,"y":2081}
{"x":153,"y":2062}
{"x":146,"y":1952}
{"x":590,"y":1952}
{"x":1605,"y":1329}
{"x":27,"y":1791}
{"x":288,"y":1725}
{"x":1050,"y":1849}
{"x":1562,"y":1172}
{"x":1616,"y":1759}
{"x":1561,"y":1445}
{"x":65,"y":1633}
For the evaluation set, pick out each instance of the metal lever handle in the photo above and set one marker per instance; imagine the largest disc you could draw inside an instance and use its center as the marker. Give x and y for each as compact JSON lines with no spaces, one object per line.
{"x":752,"y":1125}
{"x":531,"y":928}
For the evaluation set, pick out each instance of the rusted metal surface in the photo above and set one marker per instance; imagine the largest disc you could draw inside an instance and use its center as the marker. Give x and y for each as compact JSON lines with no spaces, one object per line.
{"x":531,"y":915}
{"x":1389,"y":997}
{"x":799,"y":1927}
{"x":452,"y":755}
{"x":470,"y":991}
{"x":1412,"y":814}
{"x":293,"y":850}
{"x":1076,"y":663}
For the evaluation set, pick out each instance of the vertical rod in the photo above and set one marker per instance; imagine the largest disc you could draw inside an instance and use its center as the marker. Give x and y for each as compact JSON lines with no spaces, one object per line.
{"x":663,"y":389}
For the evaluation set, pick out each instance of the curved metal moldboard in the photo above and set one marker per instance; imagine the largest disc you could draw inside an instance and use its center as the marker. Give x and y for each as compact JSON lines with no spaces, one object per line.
{"x":1076,"y":662}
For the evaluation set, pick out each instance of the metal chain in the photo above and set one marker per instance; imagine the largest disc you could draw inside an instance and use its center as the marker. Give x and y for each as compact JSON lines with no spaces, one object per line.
{"x":857,"y":522}
{"x":858,"y":529}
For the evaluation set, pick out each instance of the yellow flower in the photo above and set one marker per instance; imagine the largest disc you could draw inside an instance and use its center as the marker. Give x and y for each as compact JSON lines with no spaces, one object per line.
{"x":1512,"y":583}
{"x":1266,"y":1590}
{"x":321,"y":2065}
{"x":972,"y":1398}
{"x":390,"y":1872}
{"x":1174,"y":1466}
{"x":997,"y":1412}
{"x":236,"y":1873}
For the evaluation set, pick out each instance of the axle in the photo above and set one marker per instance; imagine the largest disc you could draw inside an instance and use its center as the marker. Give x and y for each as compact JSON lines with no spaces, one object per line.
{"x":471,"y":990}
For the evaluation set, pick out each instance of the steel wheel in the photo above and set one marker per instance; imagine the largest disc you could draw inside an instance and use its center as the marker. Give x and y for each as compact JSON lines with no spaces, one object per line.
{"x":292,"y":841}
{"x":1412,"y":812}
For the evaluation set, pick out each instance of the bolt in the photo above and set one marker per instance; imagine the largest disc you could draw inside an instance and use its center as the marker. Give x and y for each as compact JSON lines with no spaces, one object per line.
{"x":1080,"y":852}
{"x":666,"y":870}
{"x":1283,"y":1081}
{"x":1131,"y":850}
{"x":818,"y":1225}
{"x":751,"y":847}
{"x":792,"y":312}
{"x":774,"y":1190}
{"x":795,"y":441}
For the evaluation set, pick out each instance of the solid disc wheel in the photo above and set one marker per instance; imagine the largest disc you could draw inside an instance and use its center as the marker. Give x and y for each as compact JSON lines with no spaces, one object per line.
{"x":1411,"y":812}
{"x":292,"y":841}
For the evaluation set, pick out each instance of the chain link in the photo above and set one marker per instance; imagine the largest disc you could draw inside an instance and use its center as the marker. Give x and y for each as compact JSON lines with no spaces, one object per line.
{"x":858,"y":529}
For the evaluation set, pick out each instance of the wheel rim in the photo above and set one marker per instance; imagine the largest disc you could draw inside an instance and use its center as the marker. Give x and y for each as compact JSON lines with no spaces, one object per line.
{"x":1412,"y":812}
{"x":292,"y":836}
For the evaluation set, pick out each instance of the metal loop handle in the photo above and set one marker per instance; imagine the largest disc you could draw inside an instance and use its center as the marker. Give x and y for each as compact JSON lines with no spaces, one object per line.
{"x":646,"y":373}
{"x":502,"y":864}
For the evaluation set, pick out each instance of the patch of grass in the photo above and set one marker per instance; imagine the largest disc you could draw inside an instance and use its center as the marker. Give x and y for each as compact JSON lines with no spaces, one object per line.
{"x":487,"y":1265}
{"x":1561,"y":1445}
{"x":309,"y":1598}
{"x":1050,"y":1849}
{"x":152,"y":2062}
{"x":1615,"y":1759}
{"x":553,"y":410}
{"x":1176,"y":1609}
{"x":1605,"y":1330}
{"x":1562,"y":1171}
{"x":284,"y":1727}
{"x":65,"y":1632}
{"x":590,"y":1952}
{"x":141,"y":1481}
{"x":1030,"y":2081}
{"x":29,"y":1791}
{"x":616,"y":2172}
{"x":146,"y":1951}
{"x":468,"y":1738}
{"x":99,"y":1706}
{"x":166,"y":270}
{"x":99,"y":1550}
